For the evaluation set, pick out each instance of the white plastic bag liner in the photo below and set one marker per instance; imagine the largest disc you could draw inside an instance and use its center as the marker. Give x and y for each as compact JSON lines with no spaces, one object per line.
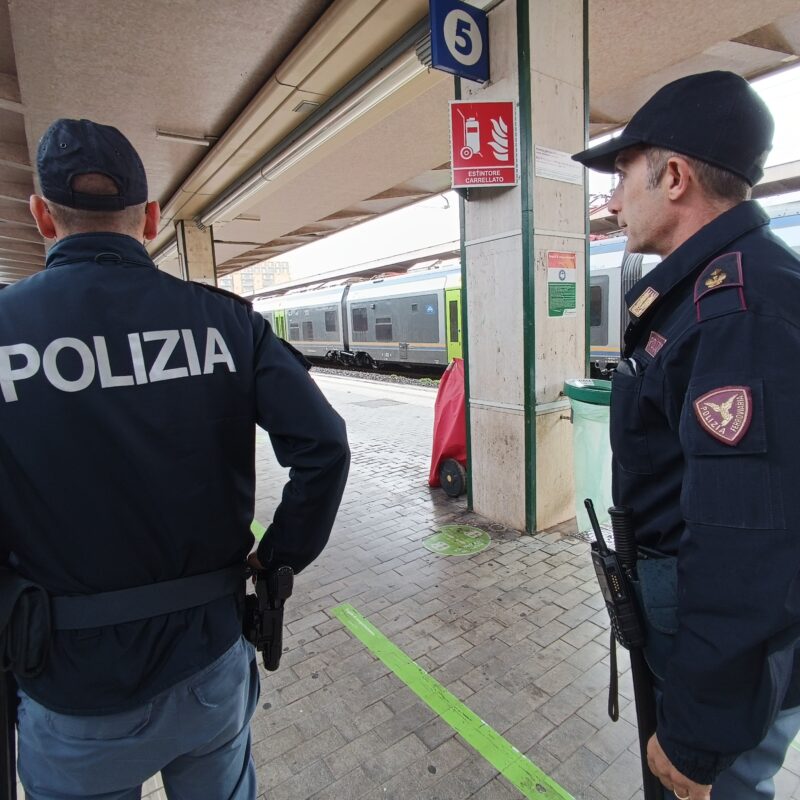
{"x":592,"y":455}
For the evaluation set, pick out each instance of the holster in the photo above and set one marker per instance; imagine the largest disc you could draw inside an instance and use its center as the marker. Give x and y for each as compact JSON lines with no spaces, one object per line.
{"x":656,"y":590}
{"x":25,"y":625}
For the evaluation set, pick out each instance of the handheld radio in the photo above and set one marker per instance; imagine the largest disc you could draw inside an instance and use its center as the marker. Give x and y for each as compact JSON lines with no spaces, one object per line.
{"x":614,"y":586}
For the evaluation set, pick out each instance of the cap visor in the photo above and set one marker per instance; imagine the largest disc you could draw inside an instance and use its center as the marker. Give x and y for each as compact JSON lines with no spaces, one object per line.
{"x":603,"y":156}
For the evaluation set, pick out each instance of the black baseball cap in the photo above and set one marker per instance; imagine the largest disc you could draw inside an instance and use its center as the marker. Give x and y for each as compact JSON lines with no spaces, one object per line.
{"x":72,"y":147}
{"x":715,"y":117}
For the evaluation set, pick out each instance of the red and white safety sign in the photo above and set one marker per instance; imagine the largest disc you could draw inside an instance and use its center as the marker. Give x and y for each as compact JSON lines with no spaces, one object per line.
{"x":483,"y":144}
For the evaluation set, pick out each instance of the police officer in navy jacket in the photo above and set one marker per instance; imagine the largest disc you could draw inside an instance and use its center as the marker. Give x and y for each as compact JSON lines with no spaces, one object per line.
{"x":705,"y":432}
{"x":128,"y":405}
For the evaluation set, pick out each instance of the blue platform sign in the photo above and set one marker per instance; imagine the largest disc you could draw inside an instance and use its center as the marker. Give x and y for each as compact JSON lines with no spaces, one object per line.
{"x":460,"y":39}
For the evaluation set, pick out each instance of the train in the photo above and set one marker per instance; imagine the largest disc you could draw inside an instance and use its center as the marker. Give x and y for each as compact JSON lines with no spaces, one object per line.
{"x":413,"y":319}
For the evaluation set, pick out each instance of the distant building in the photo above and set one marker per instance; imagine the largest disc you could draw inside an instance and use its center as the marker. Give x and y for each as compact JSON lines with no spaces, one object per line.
{"x":253,"y":279}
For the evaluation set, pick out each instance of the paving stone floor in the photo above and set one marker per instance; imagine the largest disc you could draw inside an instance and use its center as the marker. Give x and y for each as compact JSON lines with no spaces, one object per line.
{"x":517,"y":632}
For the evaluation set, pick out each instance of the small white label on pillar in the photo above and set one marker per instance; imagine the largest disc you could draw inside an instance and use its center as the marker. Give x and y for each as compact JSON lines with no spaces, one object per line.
{"x":557,"y":165}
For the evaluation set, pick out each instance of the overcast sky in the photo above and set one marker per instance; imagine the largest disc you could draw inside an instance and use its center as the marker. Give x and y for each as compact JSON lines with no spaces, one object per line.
{"x":435,"y":221}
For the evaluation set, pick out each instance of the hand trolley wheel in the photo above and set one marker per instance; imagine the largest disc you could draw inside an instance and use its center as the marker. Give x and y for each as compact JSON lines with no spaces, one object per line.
{"x":453,"y":477}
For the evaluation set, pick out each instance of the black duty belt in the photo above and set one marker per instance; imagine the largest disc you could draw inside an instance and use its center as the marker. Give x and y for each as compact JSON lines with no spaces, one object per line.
{"x":77,"y":612}
{"x":28,"y":616}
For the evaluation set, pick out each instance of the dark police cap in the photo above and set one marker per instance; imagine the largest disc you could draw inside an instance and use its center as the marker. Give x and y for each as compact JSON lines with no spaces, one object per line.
{"x":715,"y":117}
{"x":72,"y":147}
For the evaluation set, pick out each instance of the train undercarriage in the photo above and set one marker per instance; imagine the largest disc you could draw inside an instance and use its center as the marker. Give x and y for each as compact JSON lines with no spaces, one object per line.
{"x":347,"y":358}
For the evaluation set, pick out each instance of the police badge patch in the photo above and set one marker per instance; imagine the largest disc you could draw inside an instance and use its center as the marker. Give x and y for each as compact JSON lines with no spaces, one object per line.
{"x":725,"y":413}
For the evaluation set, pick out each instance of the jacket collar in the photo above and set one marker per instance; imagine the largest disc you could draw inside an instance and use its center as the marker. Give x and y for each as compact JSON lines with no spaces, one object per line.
{"x":104,"y":248}
{"x":648,"y":293}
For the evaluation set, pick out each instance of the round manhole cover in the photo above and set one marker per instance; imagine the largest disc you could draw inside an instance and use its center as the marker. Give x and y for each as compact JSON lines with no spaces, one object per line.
{"x":457,"y":540}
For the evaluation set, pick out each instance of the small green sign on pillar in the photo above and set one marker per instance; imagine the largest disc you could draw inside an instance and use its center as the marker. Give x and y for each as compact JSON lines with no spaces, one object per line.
{"x":561,"y":281}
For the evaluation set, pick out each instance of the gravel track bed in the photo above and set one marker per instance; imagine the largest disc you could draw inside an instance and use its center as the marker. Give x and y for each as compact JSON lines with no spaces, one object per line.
{"x":383,"y":377}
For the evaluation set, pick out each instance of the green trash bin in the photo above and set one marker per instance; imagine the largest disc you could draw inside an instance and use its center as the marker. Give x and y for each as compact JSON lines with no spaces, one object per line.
{"x":590,"y":400}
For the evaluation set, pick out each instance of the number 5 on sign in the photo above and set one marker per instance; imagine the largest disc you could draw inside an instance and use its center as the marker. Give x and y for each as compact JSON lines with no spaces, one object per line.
{"x":459,"y":39}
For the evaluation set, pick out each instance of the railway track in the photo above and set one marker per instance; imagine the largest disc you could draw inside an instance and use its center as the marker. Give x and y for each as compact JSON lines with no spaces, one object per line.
{"x":418,"y":376}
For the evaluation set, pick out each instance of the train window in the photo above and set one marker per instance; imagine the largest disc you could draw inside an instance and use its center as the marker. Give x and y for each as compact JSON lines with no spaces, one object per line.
{"x":596,"y":306}
{"x":308,"y":330}
{"x":330,"y":321}
{"x":383,"y":329}
{"x":415,"y":306}
{"x":360,"y":319}
{"x":453,"y":312}
{"x":294,"y":331}
{"x":599,"y":297}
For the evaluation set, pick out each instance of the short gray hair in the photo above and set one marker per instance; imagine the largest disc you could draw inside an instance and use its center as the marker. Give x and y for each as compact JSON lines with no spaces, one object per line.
{"x":78,"y":220}
{"x":718,"y":183}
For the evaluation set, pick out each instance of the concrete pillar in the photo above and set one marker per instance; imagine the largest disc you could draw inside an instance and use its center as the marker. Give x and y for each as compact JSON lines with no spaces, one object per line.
{"x":523,"y":344}
{"x":196,"y":252}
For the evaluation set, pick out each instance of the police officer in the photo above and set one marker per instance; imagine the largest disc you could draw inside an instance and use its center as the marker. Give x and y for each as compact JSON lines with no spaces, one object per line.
{"x":705,"y":432}
{"x":128,"y":405}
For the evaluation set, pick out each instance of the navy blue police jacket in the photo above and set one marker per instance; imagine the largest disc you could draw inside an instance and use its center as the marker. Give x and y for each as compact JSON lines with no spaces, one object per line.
{"x":128,"y":405}
{"x":705,"y":432}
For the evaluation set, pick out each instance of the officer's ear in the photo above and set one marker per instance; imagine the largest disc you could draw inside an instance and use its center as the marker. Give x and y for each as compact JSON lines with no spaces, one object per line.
{"x":42,"y":216}
{"x":677,"y":177}
{"x":152,"y":216}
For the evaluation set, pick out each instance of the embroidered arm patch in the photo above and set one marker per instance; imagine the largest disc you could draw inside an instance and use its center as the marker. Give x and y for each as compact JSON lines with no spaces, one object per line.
{"x":725,"y":413}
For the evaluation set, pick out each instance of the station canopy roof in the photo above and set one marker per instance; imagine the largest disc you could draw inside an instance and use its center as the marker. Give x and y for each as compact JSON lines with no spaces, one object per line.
{"x":282,"y":121}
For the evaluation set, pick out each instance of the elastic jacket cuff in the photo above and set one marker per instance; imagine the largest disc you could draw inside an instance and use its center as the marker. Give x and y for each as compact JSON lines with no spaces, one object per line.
{"x":697,"y":765}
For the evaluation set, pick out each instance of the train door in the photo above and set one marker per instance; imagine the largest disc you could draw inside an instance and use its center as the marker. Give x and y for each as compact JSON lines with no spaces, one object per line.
{"x":280,"y":324}
{"x":453,"y":323}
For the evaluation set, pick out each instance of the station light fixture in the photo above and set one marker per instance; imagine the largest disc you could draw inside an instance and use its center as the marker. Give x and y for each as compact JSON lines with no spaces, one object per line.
{"x":184,"y":138}
{"x":165,"y":253}
{"x":383,"y":85}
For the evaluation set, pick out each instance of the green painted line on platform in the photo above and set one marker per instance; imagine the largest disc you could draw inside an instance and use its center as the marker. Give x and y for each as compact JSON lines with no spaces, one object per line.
{"x":257,"y":529}
{"x":498,"y":751}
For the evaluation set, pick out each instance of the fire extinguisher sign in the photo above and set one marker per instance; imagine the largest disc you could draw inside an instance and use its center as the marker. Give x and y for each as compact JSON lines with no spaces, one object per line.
{"x":483,"y":144}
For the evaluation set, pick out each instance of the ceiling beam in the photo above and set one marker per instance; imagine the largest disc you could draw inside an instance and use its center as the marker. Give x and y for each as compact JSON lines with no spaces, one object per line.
{"x":19,"y":233}
{"x":15,"y":156}
{"x":23,"y":248}
{"x":16,"y":214}
{"x":10,"y":99}
{"x":18,"y":192}
{"x":767,"y":38}
{"x":599,"y":118}
{"x":397,"y":193}
{"x":317,"y":229}
{"x":23,"y":263}
{"x":294,"y":238}
{"x":349,"y":214}
{"x":19,"y":268}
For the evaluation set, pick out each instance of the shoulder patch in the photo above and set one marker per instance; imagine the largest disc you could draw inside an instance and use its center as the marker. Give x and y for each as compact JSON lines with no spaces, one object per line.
{"x":243,"y":300}
{"x":725,"y":413}
{"x":723,"y":271}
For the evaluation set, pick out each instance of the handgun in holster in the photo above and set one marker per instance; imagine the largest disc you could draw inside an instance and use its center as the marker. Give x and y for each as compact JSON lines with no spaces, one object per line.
{"x":263,"y":613}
